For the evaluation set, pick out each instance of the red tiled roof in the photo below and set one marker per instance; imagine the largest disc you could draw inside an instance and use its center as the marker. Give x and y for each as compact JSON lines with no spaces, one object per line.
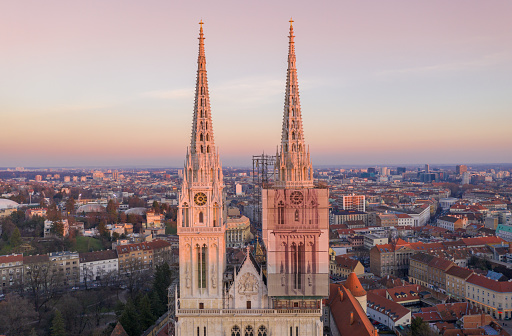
{"x":119,"y":330}
{"x":97,"y":255}
{"x":497,"y":286}
{"x":459,"y":272}
{"x":404,"y":293}
{"x":348,"y":314}
{"x":428,"y":317}
{"x":440,"y":263}
{"x":345,"y":262}
{"x":11,"y":258}
{"x":393,"y":310}
{"x":34,"y":259}
{"x":354,"y":285}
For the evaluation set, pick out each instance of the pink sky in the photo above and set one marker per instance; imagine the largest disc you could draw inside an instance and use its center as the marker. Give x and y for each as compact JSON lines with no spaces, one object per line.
{"x":111,"y":82}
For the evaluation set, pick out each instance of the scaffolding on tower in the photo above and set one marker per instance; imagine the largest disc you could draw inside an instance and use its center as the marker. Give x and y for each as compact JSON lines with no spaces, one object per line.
{"x":263,"y":174}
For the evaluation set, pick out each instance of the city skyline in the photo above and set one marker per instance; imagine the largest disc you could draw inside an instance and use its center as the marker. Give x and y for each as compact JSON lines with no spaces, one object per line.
{"x":111,"y":84}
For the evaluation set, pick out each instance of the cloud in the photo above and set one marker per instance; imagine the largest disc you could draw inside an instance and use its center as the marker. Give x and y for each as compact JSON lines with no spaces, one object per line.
{"x":187,"y":93}
{"x":482,"y":62}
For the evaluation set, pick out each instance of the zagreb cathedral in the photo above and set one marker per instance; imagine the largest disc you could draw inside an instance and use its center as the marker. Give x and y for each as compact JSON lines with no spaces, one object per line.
{"x":286,"y":298}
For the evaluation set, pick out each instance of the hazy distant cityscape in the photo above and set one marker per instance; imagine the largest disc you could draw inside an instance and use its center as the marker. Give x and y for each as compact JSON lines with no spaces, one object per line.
{"x":117,"y":219}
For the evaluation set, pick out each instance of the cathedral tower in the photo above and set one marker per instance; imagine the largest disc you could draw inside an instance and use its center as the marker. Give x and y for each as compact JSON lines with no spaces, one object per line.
{"x":201,"y":226}
{"x":295,"y":213}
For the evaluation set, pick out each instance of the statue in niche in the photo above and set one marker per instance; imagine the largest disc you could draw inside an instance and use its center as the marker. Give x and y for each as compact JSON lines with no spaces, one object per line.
{"x":283,"y":278}
{"x":187,"y":276}
{"x":214,"y":277}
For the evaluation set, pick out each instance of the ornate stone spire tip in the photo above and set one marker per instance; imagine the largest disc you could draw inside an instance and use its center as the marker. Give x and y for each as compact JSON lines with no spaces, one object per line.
{"x":291,"y":30}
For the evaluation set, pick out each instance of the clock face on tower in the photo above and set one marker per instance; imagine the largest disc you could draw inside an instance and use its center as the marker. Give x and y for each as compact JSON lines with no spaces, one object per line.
{"x":200,"y":198}
{"x":296,"y":197}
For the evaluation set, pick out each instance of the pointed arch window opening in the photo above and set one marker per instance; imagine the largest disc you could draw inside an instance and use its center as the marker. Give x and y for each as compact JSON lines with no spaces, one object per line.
{"x":235,"y":331}
{"x":297,"y":265}
{"x":216,"y":219}
{"x":280,"y":212}
{"x":249,"y":331}
{"x":262,"y":331}
{"x":207,"y":149}
{"x":201,"y":266}
{"x":207,"y":137}
{"x":201,"y":137}
{"x":184,"y":215}
{"x":201,"y":217}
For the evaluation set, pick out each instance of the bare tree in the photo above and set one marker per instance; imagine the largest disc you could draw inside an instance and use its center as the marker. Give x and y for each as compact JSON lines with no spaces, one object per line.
{"x":17,"y":315}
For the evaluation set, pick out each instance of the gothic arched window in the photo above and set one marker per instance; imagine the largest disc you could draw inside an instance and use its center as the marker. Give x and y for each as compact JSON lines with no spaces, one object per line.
{"x":201,"y":266}
{"x":208,"y":149}
{"x":235,"y":331}
{"x":201,"y":217}
{"x":207,"y":137}
{"x":216,"y":214}
{"x":201,"y":137}
{"x":184,"y":215}
{"x":280,"y":213}
{"x":249,"y":331}
{"x":262,"y":331}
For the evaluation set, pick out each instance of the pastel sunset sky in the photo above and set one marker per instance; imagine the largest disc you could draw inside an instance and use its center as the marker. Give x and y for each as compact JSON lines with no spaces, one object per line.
{"x":111,"y":82}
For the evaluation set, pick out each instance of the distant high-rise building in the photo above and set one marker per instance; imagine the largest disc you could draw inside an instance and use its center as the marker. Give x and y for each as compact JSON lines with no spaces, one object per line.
{"x":461,"y":169}
{"x":67,"y":179}
{"x":401,"y":170}
{"x":354,"y":202}
{"x":427,"y":168}
{"x":39,"y":178}
{"x":384,"y":171}
{"x":372,"y":170}
{"x":466,"y":178}
{"x":238,"y":189}
{"x":115,"y":175}
{"x":98,"y":175}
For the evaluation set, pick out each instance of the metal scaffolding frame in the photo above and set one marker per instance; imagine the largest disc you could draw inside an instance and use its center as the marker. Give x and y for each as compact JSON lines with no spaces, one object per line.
{"x":263,"y":174}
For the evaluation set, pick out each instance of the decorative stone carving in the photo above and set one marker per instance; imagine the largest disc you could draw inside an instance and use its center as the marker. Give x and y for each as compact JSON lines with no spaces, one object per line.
{"x":248,"y":284}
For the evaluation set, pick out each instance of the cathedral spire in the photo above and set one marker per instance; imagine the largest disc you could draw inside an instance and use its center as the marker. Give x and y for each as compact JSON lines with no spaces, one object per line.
{"x":293,"y":160}
{"x":202,"y":131}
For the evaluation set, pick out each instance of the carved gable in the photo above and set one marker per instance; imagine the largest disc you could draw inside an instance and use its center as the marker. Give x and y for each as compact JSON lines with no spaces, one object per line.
{"x":248,"y":286}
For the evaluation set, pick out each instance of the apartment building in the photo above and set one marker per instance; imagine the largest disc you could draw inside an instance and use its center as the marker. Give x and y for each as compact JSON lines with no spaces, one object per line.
{"x":66,"y":266}
{"x":456,"y":277}
{"x":11,"y":271}
{"x":491,"y":296}
{"x":96,"y":266}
